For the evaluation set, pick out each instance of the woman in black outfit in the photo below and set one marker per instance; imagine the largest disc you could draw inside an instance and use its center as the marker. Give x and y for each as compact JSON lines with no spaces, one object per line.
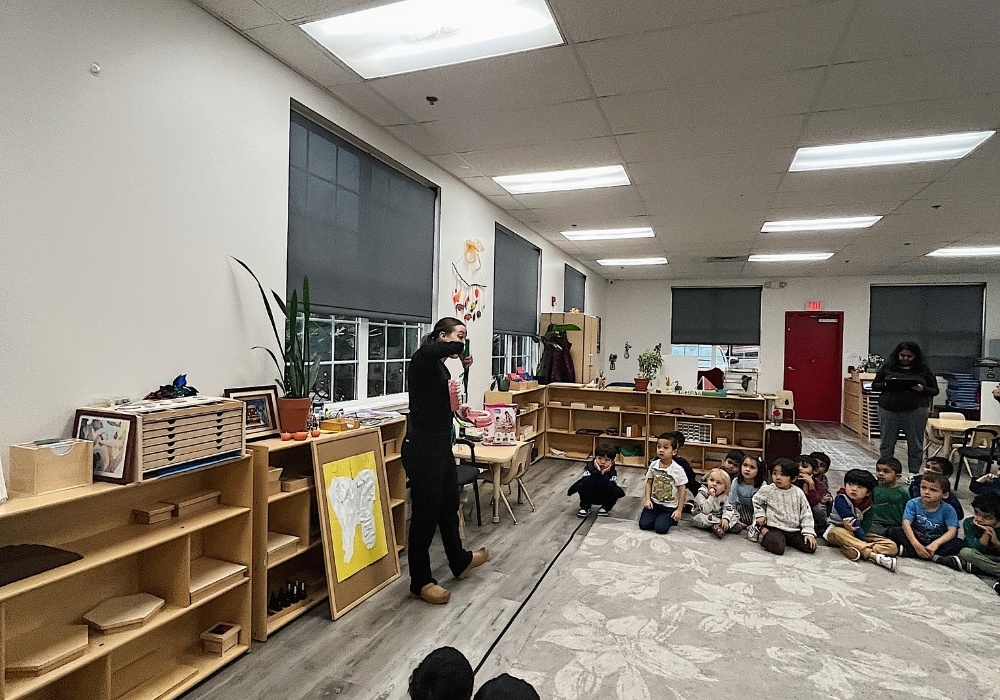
{"x":430,"y":465}
{"x":906,"y":384}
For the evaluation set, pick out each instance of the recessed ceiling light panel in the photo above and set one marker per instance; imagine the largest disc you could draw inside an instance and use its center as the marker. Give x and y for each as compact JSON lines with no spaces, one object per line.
{"x":921,"y":149}
{"x":981,"y":251}
{"x":835,"y":224}
{"x":608,"y":234}
{"x":615,"y":262}
{"x":560,"y":180}
{"x":418,"y":34}
{"x":789,"y":257}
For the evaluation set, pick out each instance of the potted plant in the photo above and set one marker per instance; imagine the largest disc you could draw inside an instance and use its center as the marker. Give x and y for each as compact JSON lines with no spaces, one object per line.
{"x":297,"y":370}
{"x":649,"y":364}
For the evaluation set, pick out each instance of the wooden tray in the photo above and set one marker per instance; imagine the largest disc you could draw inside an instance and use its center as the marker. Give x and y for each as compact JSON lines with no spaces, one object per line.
{"x":210,"y":575}
{"x":280,"y":545}
{"x":124,"y":614}
{"x":44,"y":650}
{"x":194,"y":502}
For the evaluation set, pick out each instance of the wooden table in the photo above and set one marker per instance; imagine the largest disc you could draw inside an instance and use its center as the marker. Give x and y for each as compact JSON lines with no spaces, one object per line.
{"x":949,"y":429}
{"x":496,"y":457}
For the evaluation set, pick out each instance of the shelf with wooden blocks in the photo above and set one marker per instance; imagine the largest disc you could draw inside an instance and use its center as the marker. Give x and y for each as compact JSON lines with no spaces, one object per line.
{"x":74,"y":631}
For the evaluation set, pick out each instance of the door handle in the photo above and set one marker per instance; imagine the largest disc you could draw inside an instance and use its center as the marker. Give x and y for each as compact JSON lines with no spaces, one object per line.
{"x":790,"y":368}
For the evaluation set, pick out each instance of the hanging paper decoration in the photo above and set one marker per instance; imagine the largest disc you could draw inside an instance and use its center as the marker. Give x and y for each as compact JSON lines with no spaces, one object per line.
{"x":468,"y":292}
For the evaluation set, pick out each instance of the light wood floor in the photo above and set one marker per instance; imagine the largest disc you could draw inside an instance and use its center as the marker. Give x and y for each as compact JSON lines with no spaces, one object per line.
{"x":369,"y":653}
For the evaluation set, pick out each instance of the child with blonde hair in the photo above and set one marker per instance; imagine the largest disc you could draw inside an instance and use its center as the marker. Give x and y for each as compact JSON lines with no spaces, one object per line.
{"x":710,"y":504}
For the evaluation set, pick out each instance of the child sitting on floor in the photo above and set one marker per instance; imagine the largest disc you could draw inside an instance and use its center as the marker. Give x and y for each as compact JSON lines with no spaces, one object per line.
{"x":938,"y":465}
{"x":930,"y":526}
{"x":889,"y":498}
{"x":710,"y":504}
{"x":981,"y":553}
{"x":731,"y":464}
{"x":845,"y":530}
{"x":665,"y":489}
{"x":813,"y":488}
{"x":599,"y":483}
{"x":822,"y":467}
{"x":739,"y":509}
{"x":782,"y":513}
{"x":987,"y":483}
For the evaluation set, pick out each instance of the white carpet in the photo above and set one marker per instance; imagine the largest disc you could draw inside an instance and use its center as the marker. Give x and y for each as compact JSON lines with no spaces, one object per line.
{"x":844,"y":455}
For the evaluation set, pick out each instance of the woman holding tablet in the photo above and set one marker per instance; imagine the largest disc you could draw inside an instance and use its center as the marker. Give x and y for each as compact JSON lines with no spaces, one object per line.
{"x":906,"y":384}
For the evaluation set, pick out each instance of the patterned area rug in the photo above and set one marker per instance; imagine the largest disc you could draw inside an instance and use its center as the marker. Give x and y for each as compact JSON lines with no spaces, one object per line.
{"x":844,"y":455}
{"x":634,"y":615}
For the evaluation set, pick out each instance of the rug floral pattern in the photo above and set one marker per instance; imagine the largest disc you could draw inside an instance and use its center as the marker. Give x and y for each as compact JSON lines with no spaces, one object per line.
{"x":634,"y":615}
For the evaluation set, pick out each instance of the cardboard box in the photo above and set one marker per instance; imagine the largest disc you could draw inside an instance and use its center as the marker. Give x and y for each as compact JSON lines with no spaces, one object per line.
{"x":339,"y":425}
{"x":36,"y":469}
{"x":221,"y":638}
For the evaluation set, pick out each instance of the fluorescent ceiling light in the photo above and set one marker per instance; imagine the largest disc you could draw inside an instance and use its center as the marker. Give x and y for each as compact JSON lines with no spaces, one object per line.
{"x":614,"y":262}
{"x":967,"y":252}
{"x":789,"y":257}
{"x":608,"y":234}
{"x":560,"y":180}
{"x":890,"y":152}
{"x":836,"y":224}
{"x":418,"y":34}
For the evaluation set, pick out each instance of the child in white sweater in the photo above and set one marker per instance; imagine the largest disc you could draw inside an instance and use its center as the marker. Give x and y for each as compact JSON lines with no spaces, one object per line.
{"x":782,"y":513}
{"x":710,"y":503}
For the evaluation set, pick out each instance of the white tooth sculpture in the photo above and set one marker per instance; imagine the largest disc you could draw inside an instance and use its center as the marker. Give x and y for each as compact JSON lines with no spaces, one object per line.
{"x":353,"y":502}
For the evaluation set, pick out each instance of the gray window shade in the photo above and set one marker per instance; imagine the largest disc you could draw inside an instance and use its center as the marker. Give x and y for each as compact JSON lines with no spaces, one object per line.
{"x":515,"y":283}
{"x":574,"y":289}
{"x":946,"y":320}
{"x":361,"y":230}
{"x":715,"y":315}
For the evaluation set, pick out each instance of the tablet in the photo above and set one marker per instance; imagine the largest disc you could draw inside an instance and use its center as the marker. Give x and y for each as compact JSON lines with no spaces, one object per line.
{"x":901,"y":382}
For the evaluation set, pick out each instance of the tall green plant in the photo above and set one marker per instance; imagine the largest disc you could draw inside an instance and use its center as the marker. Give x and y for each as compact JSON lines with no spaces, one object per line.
{"x":649,"y":364}
{"x":298,"y":371}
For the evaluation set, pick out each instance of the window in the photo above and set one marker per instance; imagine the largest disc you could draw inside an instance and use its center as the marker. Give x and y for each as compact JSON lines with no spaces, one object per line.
{"x":511,"y":351}
{"x":515,"y":283}
{"x":362,"y":358}
{"x":574,"y":289}
{"x":747,"y":356}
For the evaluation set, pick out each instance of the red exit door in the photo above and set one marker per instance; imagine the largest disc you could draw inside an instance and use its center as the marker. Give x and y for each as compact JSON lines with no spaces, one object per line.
{"x":814,"y":342}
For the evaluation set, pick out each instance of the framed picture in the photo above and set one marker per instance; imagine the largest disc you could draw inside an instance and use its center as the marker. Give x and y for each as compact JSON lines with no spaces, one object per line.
{"x":262,"y":410}
{"x":114,"y":437}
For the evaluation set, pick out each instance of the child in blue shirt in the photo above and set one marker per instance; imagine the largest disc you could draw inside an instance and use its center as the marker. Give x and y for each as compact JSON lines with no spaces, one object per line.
{"x":939,"y":465}
{"x":930,"y":525}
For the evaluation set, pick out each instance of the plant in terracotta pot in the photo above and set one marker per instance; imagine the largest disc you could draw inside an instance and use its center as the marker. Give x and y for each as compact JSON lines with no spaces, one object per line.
{"x":296,"y":369}
{"x":649,"y":364}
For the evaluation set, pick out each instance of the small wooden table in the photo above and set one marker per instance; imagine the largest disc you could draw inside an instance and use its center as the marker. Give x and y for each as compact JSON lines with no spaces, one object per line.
{"x":950,"y":428}
{"x":496,"y":457}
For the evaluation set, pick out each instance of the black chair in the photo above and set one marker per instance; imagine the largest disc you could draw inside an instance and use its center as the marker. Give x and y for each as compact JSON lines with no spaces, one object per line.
{"x":984,"y":449}
{"x":469,"y":474}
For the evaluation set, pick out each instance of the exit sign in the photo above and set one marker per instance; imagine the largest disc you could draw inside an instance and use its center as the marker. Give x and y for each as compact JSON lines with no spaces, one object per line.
{"x":814,"y":306}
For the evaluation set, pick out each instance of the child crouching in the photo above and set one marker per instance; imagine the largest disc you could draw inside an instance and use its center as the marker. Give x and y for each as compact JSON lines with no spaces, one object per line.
{"x":710,"y":504}
{"x":599,"y":483}
{"x":782,"y":514}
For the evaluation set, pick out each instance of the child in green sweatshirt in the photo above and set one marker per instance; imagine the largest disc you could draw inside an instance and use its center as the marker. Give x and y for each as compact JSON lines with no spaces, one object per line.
{"x":889,"y":498}
{"x":982,"y":538}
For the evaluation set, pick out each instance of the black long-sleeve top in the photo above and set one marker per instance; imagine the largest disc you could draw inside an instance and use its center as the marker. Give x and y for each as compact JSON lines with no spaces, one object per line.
{"x":898,"y":399}
{"x":430,"y":405}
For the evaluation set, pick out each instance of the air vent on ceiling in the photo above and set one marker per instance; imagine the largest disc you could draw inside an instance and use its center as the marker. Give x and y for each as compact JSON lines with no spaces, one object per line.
{"x":726,"y":258}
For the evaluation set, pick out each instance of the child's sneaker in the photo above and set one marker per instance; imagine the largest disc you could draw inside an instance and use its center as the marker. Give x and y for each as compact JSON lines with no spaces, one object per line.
{"x":604,"y":512}
{"x":952,"y":562}
{"x":583,"y":512}
{"x":996,"y":587}
{"x":852,"y":553}
{"x":886,"y":562}
{"x":753,"y":533}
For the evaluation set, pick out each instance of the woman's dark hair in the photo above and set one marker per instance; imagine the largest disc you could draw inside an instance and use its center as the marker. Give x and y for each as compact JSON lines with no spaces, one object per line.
{"x":444,"y":674}
{"x":786,"y":466}
{"x":758,"y":480}
{"x":444,"y":326}
{"x":605,"y":450}
{"x":919,"y":362}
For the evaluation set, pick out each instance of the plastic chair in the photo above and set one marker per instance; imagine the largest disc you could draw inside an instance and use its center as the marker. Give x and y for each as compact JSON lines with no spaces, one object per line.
{"x":933,"y":442}
{"x":786,"y":402}
{"x":517,"y":468}
{"x":469,"y":473}
{"x":951,"y":415}
{"x":980,"y":444}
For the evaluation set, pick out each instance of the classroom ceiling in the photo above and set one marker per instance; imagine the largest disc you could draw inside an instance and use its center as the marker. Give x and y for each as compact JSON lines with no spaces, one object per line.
{"x":705,"y":103}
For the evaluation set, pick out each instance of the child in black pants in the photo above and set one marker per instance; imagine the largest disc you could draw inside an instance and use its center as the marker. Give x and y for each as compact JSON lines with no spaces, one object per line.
{"x":599,"y":483}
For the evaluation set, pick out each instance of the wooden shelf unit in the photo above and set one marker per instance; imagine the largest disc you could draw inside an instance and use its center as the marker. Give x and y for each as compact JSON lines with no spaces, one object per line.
{"x":648,"y":415}
{"x":121,"y":558}
{"x":294,"y":513}
{"x":530,"y":414}
{"x":860,"y":408}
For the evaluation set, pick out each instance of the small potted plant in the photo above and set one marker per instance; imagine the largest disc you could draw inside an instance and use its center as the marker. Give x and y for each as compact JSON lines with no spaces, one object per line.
{"x":649,"y":364}
{"x":297,"y":370}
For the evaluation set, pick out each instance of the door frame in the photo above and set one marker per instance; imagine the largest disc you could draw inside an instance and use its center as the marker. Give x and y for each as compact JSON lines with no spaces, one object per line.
{"x":840,"y":352}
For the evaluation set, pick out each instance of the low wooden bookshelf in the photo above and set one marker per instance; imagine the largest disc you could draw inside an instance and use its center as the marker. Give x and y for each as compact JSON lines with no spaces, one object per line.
{"x":530,"y":415}
{"x":161,"y":658}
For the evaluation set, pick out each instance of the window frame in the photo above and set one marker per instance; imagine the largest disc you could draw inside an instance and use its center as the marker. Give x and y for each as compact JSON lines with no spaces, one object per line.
{"x":513,"y":347}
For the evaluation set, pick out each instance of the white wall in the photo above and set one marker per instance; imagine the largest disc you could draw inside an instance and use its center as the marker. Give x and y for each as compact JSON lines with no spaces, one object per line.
{"x":639,"y":312}
{"x":124,"y":195}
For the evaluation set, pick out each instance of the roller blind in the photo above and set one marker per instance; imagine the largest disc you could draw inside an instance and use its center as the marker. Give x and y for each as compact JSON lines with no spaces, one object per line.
{"x":360,"y":229}
{"x":715,"y":315}
{"x":515,"y":283}
{"x":946,"y":320}
{"x":574,"y":289}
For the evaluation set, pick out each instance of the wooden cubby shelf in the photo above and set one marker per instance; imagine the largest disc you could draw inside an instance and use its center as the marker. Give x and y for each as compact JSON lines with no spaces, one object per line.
{"x":531,"y":410}
{"x":160,"y":658}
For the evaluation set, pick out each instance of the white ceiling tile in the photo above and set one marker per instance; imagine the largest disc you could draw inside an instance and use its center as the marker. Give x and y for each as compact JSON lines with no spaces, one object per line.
{"x":761,"y":44}
{"x":586,"y":20}
{"x":505,"y":201}
{"x":564,"y":122}
{"x":727,"y":137}
{"x":484,"y":185}
{"x":456,"y":165}
{"x":883,"y":28}
{"x":560,"y":155}
{"x":363,"y":100}
{"x":301,"y":9}
{"x":596,"y":198}
{"x":418,"y":138}
{"x":724,"y":192}
{"x":858,"y":197}
{"x":242,"y":14}
{"x":292,"y":46}
{"x":529,"y":79}
{"x":711,"y":168}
